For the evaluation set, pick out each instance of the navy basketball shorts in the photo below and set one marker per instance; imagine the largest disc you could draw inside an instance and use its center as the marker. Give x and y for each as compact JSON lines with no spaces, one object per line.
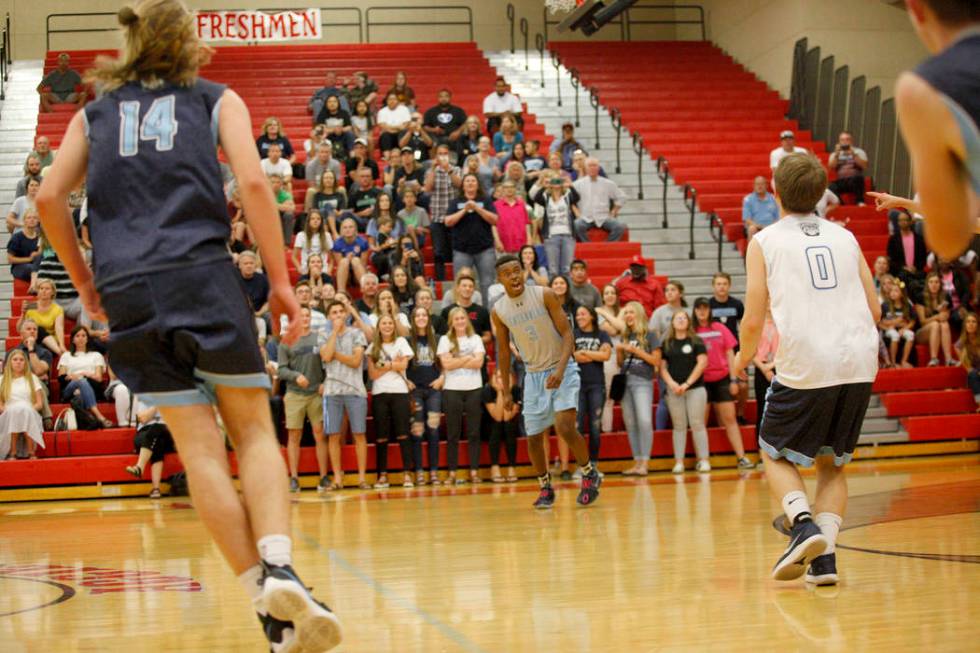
{"x":800,"y":425}
{"x":176,"y":334}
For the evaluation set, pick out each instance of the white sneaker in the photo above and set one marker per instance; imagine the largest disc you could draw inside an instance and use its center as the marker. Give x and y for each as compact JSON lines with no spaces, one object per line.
{"x":703,"y":466}
{"x":678,"y":467}
{"x":577,"y":474}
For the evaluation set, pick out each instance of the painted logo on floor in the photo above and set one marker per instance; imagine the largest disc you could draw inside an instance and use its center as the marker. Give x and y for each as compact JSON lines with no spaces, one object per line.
{"x":103,"y":581}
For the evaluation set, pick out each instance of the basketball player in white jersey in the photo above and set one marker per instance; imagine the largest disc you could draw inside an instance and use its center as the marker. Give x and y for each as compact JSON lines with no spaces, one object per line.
{"x":823,"y":301}
{"x":543,"y":336}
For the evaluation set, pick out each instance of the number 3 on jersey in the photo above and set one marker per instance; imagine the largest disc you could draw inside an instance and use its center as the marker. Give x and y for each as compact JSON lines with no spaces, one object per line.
{"x":823,"y":273}
{"x":159,"y":124}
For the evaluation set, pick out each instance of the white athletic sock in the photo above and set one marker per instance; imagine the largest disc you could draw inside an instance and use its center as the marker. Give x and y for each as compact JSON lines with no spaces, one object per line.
{"x":276,"y":550}
{"x":829,"y":524}
{"x":251,"y":580}
{"x":795,"y":505}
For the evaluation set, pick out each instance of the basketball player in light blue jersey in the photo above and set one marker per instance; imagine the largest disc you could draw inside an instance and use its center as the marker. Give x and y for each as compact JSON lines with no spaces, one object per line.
{"x":543,"y":336}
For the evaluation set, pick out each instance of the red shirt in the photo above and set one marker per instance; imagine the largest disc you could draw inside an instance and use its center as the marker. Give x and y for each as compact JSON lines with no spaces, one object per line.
{"x":648,"y":292}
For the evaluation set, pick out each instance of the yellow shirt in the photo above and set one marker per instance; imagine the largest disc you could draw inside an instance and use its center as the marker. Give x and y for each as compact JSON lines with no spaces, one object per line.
{"x":46,"y":319}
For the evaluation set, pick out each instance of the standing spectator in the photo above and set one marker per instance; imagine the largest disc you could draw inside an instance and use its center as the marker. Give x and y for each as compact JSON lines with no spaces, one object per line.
{"x":321,"y":284}
{"x":533,"y":162}
{"x":849,"y":162}
{"x":424,"y":299}
{"x":427,"y":378}
{"x":724,"y":308}
{"x":364,"y":89}
{"x":272,"y":133}
{"x":635,"y":285}
{"x":441,"y":183}
{"x":393,"y":118}
{"x":388,"y":358}
{"x":304,"y":297}
{"x":61,"y":86}
{"x":560,"y":204}
{"x":461,"y":353}
{"x":360,"y":159}
{"x":21,"y":400}
{"x":559,"y":285}
{"x":933,"y":313}
{"x":362,"y":124}
{"x":444,"y":122}
{"x":362,"y":198}
{"x":43,"y":152}
{"x":787,"y":146}
{"x":765,"y":366}
{"x":508,"y":136}
{"x":513,"y":229}
{"x":907,"y":252}
{"x":79,"y":370}
{"x":581,"y":290}
{"x":332,"y":87}
{"x":898,"y":323}
{"x":338,"y":125}
{"x":968,"y":351}
{"x":328,"y":199}
{"x":471,"y":231}
{"x":368,"y":303}
{"x":478,"y":316}
{"x":612,"y":326}
{"x":386,"y":305}
{"x":684,"y":361}
{"x":416,"y":139}
{"x":21,"y":205}
{"x":153,"y":441}
{"x":274,"y":164}
{"x":720,"y":382}
{"x":638,"y":356}
{"x":468,"y":142}
{"x":598,"y":195}
{"x":343,"y":391}
{"x":302,"y":370}
{"x":32,"y":172}
{"x":321,"y":163}
{"x":660,"y":323}
{"x":498,"y":103}
{"x":534,"y":272}
{"x":23,"y":248}
{"x":408,"y":258}
{"x":488,"y":166}
{"x":567,"y":145}
{"x":350,"y":253}
{"x":414,"y":218}
{"x":514,"y":173}
{"x":593,"y":348}
{"x":411,"y":175}
{"x":759,"y":209}
{"x":402,"y":90}
{"x":285,"y":205}
{"x":503,"y":424}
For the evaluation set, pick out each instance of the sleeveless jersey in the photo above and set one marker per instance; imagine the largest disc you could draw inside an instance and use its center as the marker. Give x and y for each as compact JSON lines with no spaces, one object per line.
{"x":155,"y":197}
{"x":530,"y":325}
{"x":827,"y":335}
{"x":955,"y":74}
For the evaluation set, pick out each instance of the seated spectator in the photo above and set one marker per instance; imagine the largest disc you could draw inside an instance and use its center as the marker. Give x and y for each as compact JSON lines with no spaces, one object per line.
{"x":81,"y":371}
{"x":534,"y":272}
{"x":410,"y":175}
{"x":338,"y":126}
{"x":827,"y":204}
{"x":360,"y":159}
{"x":368,"y":302}
{"x":61,"y":86}
{"x":508,"y":136}
{"x":488,"y":169}
{"x":470,"y":227}
{"x":404,"y":92}
{"x":318,"y":137}
{"x":256,"y":283}
{"x":40,"y":359}
{"x":392,"y":164}
{"x":382,"y":243}
{"x":388,"y":357}
{"x":383,"y":210}
{"x":322,"y":162}
{"x":601,"y":201}
{"x":513,"y":229}
{"x":907,"y":252}
{"x":416,"y":139}
{"x":32,"y":172}
{"x":566,"y":145}
{"x":21,"y":205}
{"x":43,"y":151}
{"x":581,"y":290}
{"x":464,"y":298}
{"x":274,"y":164}
{"x":533,"y":162}
{"x":321,"y":283}
{"x":898,"y":323}
{"x":554,"y":165}
{"x":332,"y":87}
{"x":514,"y":173}
{"x":956,"y":283}
{"x":285,"y":205}
{"x":414,"y":218}
{"x":759,"y":209}
{"x":787,"y":146}
{"x":968,"y":351}
{"x":364,"y":89}
{"x":48,"y":316}
{"x":637,"y":286}
{"x":560,"y":204}
{"x":21,"y":400}
{"x":23,"y":247}
{"x":468,"y":142}
{"x":403,"y":286}
{"x":362,"y":198}
{"x":313,"y":239}
{"x":153,"y":441}
{"x":362,"y":124}
{"x":272,"y":133}
{"x":849,"y":162}
{"x":498,"y":103}
{"x":393,"y":119}
{"x":407,"y":256}
{"x":123,"y":399}
{"x":934,"y":320}
{"x":444,"y":122}
{"x":329,"y":199}
{"x":579,"y":167}
{"x":350,"y":253}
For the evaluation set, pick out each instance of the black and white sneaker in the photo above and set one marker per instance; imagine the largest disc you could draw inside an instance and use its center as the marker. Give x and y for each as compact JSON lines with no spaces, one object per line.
{"x":293,"y":484}
{"x":287,"y":599}
{"x":822,"y":570}
{"x":280,"y":634}
{"x":590,"y":488}
{"x":806,"y":543}
{"x":546,"y":498}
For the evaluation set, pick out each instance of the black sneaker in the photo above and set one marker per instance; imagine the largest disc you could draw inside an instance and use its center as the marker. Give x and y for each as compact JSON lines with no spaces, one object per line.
{"x":590,"y":488}
{"x":293,"y":484}
{"x":566,"y":475}
{"x":280,"y":634}
{"x":822,"y":570}
{"x":323,"y":485}
{"x":546,"y":498}
{"x":745,"y":464}
{"x":287,"y":599}
{"x":806,"y":543}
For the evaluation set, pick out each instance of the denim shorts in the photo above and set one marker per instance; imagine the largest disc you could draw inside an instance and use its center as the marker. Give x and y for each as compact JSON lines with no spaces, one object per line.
{"x":541,"y":404}
{"x":333,"y":413}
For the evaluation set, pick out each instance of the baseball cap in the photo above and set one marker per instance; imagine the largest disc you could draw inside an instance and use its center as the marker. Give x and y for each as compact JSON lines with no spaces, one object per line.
{"x":360,"y":141}
{"x":407,"y":149}
{"x":638,"y":260}
{"x":786,"y":133}
{"x":701,"y":301}
{"x":567,"y":125}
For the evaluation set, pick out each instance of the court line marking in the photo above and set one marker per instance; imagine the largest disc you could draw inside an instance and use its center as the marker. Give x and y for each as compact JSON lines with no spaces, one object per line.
{"x":390,"y":595}
{"x":67,"y":592}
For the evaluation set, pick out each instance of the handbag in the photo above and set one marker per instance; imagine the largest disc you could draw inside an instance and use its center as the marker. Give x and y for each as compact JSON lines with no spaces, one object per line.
{"x":617,"y":388}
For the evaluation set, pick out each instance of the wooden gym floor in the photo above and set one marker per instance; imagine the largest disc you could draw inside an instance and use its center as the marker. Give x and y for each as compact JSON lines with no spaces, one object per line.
{"x":663,"y":563}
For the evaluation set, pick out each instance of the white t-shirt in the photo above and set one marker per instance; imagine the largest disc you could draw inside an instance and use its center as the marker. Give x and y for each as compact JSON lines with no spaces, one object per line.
{"x":462,"y":378}
{"x":397,"y":116}
{"x":20,"y":390}
{"x":400,"y":317}
{"x":282,"y":167}
{"x":392,"y":382}
{"x":827,"y":336}
{"x":779,"y":153}
{"x":81,"y":363}
{"x":313,"y":247}
{"x":494,"y":103}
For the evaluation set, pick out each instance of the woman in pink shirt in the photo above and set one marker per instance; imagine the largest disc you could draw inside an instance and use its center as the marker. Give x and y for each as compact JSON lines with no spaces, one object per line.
{"x":722,"y":386}
{"x":765,"y":366}
{"x":513,"y":228}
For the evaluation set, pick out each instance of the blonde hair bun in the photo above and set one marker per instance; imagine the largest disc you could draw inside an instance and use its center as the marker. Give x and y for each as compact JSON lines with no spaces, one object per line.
{"x":127,"y":16}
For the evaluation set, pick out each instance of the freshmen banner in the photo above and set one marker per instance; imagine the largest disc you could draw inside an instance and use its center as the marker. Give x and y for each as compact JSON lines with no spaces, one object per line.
{"x":259,"y":26}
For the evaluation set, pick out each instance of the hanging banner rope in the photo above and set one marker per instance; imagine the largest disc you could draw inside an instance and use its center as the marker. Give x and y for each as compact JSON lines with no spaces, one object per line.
{"x":302,"y":25}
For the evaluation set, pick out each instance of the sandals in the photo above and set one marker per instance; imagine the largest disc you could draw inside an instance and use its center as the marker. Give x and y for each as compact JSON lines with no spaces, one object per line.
{"x":475,"y":477}
{"x":364,"y":485}
{"x":135,"y":470}
{"x":512,"y":478}
{"x":335,"y":486}
{"x":420,"y":479}
{"x":498,"y":479}
{"x":407,"y":483}
{"x":155,"y":493}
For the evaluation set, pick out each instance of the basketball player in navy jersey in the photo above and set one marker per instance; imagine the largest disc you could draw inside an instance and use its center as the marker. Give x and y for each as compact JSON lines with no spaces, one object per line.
{"x":543,"y":336}
{"x":813,"y":275}
{"x":939,"y":114}
{"x":182,"y":331}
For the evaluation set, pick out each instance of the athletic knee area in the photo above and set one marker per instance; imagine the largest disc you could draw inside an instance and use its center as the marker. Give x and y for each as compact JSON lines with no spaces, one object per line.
{"x":418,"y":429}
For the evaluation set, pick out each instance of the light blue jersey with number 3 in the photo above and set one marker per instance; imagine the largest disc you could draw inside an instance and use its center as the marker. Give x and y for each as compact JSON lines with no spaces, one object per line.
{"x":827,"y":335}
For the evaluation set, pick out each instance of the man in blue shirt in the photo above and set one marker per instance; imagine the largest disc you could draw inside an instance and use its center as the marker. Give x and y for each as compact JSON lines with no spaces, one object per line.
{"x":759,"y":208}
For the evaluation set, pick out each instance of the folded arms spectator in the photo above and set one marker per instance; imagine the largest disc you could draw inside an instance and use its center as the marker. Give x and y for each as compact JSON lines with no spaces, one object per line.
{"x":61,"y":86}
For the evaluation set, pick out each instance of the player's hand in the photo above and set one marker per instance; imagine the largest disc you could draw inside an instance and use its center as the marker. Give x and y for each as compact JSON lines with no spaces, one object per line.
{"x":885,"y":202}
{"x":92,"y":302}
{"x":741,"y":362}
{"x":553,"y":382}
{"x":282,"y":301}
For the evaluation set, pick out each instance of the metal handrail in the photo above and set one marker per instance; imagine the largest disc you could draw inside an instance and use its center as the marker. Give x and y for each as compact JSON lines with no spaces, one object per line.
{"x":576,"y":84}
{"x":556,"y":62}
{"x":511,"y":13}
{"x":716,"y":223}
{"x":690,"y":193}
{"x":539,"y":44}
{"x":6,"y":42}
{"x":630,"y":21}
{"x":524,"y":30}
{"x":663,"y":173}
{"x":594,"y":101}
{"x":617,"y":122}
{"x":429,"y":22}
{"x":638,"y":149}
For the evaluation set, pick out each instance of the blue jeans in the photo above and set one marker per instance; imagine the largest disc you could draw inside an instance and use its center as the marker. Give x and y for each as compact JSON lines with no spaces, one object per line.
{"x":973,"y":380}
{"x":638,"y":415}
{"x":662,"y":417}
{"x":483,"y":262}
{"x":428,"y":402}
{"x":84,"y":388}
{"x":561,"y":253}
{"x":591,"y":400}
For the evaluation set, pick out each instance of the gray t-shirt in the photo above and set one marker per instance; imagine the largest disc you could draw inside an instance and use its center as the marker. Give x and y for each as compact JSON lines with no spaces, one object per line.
{"x":660,"y":320}
{"x":634,"y":364}
{"x":341,"y":379}
{"x":585,"y":295}
{"x":302,"y":358}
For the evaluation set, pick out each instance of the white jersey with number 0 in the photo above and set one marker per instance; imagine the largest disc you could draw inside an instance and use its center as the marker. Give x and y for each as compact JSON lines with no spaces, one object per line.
{"x":827,"y":335}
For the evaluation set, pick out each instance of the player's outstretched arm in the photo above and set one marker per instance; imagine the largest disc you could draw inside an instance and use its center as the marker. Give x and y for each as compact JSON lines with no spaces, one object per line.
{"x":756,"y":297}
{"x":503,"y":356}
{"x":936,"y":147}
